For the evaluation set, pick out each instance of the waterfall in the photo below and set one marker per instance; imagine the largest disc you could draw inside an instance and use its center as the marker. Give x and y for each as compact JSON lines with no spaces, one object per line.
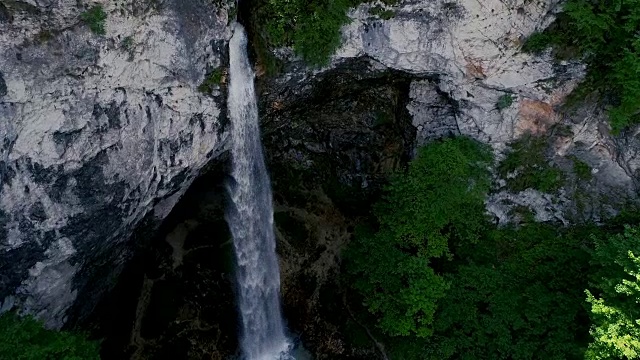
{"x":250,"y":217}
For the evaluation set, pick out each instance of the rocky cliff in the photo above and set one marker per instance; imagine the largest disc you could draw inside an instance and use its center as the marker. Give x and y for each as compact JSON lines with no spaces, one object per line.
{"x":472,"y":51}
{"x":431,"y":69}
{"x":98,"y":133}
{"x":102,"y":132}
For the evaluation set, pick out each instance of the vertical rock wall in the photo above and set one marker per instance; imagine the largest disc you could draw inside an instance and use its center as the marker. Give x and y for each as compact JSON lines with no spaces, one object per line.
{"x":97,"y":132}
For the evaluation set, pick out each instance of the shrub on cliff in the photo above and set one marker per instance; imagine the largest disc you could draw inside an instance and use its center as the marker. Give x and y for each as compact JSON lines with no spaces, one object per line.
{"x":95,"y":18}
{"x":605,"y":34}
{"x":26,"y":339}
{"x":311,"y":27}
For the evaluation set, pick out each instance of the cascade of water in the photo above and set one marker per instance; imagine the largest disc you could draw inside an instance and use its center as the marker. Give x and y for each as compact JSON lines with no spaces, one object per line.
{"x":250,"y":217}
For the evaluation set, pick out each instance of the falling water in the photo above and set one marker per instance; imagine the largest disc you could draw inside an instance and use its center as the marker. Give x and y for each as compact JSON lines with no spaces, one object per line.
{"x":251,"y":217}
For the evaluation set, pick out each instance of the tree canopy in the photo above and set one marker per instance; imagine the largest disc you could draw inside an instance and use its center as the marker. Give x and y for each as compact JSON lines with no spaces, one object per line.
{"x":439,"y":199}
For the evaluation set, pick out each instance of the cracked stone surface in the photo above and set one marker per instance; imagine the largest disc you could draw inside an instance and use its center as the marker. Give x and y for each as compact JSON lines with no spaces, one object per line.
{"x":97,"y":133}
{"x":473,"y":49}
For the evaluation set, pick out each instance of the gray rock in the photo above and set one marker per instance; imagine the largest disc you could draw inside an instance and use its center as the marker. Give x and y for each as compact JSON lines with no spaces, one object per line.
{"x":472,"y":51}
{"x":93,"y":137}
{"x":3,"y":86}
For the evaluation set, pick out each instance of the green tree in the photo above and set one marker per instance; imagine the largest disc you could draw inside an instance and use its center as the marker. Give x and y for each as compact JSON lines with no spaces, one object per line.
{"x":26,"y":339}
{"x":440,"y":199}
{"x":615,"y":300}
{"x":517,"y":294}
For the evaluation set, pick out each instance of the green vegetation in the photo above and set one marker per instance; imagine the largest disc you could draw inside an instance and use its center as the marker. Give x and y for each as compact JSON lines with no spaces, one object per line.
{"x":441,"y":282}
{"x":382,"y":13}
{"x":412,"y":236}
{"x":527,"y":161}
{"x":211,"y":81}
{"x":26,"y":339}
{"x":504,"y":101}
{"x":95,"y":18}
{"x":311,"y":27}
{"x":581,"y":169}
{"x":614,"y":307}
{"x":127,"y":43}
{"x":518,"y":295}
{"x":605,"y":34}
{"x":44,"y":36}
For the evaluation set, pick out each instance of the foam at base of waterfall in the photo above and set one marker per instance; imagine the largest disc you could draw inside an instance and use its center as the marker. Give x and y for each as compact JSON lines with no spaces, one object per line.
{"x":281,"y":352}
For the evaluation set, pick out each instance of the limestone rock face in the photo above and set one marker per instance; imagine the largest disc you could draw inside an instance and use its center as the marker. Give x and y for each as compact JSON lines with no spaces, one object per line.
{"x":473,"y":49}
{"x":96,"y":134}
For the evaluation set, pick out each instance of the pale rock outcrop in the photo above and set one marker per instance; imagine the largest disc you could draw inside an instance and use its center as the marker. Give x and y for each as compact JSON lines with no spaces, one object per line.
{"x":97,"y":133}
{"x":473,"y":48}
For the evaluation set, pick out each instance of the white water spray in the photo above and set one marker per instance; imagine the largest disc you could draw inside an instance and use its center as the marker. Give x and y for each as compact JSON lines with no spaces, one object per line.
{"x":250,"y":217}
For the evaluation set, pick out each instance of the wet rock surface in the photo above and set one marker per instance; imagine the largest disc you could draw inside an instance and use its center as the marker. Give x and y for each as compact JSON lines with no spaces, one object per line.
{"x":181,"y":301}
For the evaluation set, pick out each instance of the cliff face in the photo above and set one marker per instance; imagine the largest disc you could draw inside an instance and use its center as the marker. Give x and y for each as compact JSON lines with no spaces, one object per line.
{"x":102,"y":132}
{"x":434,"y":68}
{"x":97,"y":133}
{"x":473,"y":50}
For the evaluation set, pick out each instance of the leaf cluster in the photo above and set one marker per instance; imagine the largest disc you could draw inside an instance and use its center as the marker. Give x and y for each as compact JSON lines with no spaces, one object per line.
{"x":27,"y":339}
{"x":517,"y":295}
{"x":504,"y":101}
{"x":615,"y":296}
{"x":211,"y":80}
{"x":95,"y":19}
{"x":526,"y":160}
{"x":311,"y":27}
{"x":443,"y":283}
{"x":439,"y":199}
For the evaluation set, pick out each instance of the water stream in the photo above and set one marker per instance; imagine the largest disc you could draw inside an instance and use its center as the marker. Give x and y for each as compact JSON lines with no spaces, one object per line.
{"x":250,"y":218}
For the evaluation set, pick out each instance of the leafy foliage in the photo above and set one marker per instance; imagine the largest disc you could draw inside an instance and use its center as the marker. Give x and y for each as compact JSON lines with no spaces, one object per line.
{"x":213,"y":79}
{"x":439,"y":199}
{"x":614,"y":307}
{"x":317,"y":35}
{"x":526,"y":159}
{"x":517,"y":295}
{"x":127,"y":43}
{"x":537,"y":42}
{"x":95,"y":18}
{"x":311,"y":27}
{"x":444,"y":284}
{"x":504,"y":101}
{"x":605,"y":34}
{"x":581,"y":169}
{"x":26,"y":339}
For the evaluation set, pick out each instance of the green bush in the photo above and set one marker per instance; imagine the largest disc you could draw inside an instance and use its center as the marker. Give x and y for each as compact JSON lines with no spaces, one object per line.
{"x":517,"y":295}
{"x":26,"y":339}
{"x":504,"y":101}
{"x":317,"y":34}
{"x":605,"y":34}
{"x":95,"y":18}
{"x":439,"y":200}
{"x":213,"y":79}
{"x":581,"y":169}
{"x":311,"y":27}
{"x":615,"y":296}
{"x":527,"y":159}
{"x":127,"y":43}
